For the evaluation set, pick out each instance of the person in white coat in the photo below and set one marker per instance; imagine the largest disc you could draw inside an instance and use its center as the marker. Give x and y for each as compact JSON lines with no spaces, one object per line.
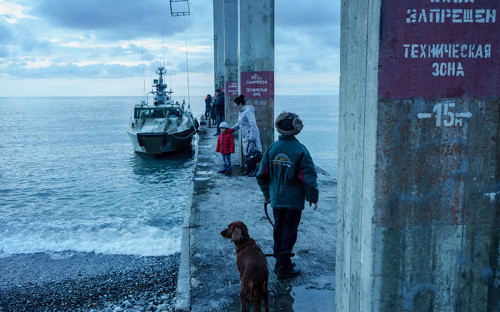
{"x":250,"y":135}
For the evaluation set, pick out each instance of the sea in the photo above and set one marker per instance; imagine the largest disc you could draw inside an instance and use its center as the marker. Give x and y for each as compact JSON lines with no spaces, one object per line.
{"x":70,"y":180}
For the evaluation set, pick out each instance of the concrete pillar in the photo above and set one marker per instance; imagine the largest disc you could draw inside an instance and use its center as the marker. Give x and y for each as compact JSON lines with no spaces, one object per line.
{"x":256,"y":62}
{"x":231,"y":59}
{"x":419,"y":156}
{"x":218,"y":44}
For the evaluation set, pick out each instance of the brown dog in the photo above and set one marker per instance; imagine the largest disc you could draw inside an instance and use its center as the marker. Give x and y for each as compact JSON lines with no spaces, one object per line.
{"x":252,"y":265}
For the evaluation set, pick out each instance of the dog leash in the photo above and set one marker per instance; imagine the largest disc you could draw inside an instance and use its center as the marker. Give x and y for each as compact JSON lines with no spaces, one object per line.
{"x":288,"y":252}
{"x":284,"y":253}
{"x":267,"y":215}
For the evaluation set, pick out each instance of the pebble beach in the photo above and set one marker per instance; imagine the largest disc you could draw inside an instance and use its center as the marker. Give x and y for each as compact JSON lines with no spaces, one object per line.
{"x":87,"y":282}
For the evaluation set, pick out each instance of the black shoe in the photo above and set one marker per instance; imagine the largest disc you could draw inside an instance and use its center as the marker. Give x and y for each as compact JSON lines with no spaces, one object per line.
{"x":222,"y":171}
{"x":252,"y":174}
{"x":245,"y":172}
{"x":276,"y":267}
{"x":227,"y":172}
{"x":288,"y":272}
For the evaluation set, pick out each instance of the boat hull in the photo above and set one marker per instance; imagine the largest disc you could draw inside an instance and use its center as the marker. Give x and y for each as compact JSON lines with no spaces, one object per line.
{"x":161,"y":143}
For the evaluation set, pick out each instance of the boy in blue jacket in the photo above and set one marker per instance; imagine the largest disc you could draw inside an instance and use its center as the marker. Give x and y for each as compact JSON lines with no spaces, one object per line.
{"x":287,"y":177}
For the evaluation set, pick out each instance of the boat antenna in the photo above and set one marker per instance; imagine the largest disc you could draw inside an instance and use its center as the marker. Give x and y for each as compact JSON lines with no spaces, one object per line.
{"x":163,"y":33}
{"x":187,"y":61}
{"x":170,"y":76}
{"x":143,"y":70}
{"x":182,"y":9}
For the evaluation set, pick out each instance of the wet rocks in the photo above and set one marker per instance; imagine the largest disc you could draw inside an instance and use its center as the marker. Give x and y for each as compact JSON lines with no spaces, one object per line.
{"x":145,"y":284}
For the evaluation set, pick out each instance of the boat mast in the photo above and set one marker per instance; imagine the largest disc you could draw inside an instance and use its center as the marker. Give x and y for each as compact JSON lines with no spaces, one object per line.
{"x":160,"y":94}
{"x":143,"y":69}
{"x":181,"y":8}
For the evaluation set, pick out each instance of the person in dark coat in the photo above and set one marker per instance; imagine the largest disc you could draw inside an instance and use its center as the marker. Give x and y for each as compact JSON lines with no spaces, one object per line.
{"x":219,"y":108}
{"x":208,"y":108}
{"x":225,"y":146}
{"x":287,"y":177}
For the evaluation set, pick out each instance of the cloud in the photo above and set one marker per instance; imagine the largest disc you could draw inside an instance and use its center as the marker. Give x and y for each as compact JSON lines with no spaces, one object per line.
{"x":5,"y":38}
{"x":4,"y":52}
{"x":100,"y":40}
{"x":64,"y":70}
{"x":307,"y":36}
{"x":28,"y":43}
{"x":5,"y":34}
{"x":307,"y":13}
{"x":318,"y":20}
{"x":16,"y":38}
{"x":130,"y":50}
{"x":203,"y":67}
{"x":110,"y":19}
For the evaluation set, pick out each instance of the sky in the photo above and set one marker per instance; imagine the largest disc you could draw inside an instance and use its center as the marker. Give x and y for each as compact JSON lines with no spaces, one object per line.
{"x":112,"y":47}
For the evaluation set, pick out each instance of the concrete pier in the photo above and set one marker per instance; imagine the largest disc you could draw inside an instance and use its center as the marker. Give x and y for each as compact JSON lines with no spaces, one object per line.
{"x":208,"y":277}
{"x":419,"y":157}
{"x":231,"y":59}
{"x":256,"y":63}
{"x":218,"y":44}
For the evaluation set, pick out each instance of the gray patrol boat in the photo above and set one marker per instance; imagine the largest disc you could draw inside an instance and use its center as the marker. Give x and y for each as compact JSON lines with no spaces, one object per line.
{"x":164,"y":127}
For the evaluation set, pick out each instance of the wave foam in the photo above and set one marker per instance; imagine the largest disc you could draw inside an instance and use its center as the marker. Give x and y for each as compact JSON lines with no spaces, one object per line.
{"x":148,"y":241}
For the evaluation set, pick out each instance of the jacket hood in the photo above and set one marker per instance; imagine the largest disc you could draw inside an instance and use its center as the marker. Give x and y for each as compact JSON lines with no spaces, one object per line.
{"x":228,"y":131}
{"x":247,"y":107}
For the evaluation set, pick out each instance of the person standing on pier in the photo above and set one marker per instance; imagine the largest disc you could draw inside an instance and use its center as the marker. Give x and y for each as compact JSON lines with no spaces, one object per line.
{"x":287,"y":177}
{"x":250,"y":135}
{"x":208,"y":108}
{"x":219,"y":108}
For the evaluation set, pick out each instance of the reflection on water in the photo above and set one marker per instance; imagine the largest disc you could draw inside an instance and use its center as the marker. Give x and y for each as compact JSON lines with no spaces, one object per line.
{"x":162,"y":169}
{"x":318,"y":295}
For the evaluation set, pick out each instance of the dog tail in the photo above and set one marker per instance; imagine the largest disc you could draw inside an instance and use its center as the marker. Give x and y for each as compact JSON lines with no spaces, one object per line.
{"x":257,"y":288}
{"x":252,"y":290}
{"x":263,"y":289}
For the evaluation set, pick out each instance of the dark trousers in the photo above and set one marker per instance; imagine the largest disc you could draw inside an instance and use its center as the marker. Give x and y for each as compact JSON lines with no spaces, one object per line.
{"x":219,"y":117}
{"x":250,"y":168}
{"x":212,"y":116}
{"x":207,"y":116}
{"x":286,"y":224}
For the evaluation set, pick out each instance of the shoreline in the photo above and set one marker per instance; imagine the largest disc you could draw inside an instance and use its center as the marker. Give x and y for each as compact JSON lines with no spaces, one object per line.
{"x":72,"y":281}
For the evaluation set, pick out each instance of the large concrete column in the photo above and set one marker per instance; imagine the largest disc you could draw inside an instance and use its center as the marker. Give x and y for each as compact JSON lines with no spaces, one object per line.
{"x":218,"y":44}
{"x":419,"y":156}
{"x":231,"y":59}
{"x":256,"y":62}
